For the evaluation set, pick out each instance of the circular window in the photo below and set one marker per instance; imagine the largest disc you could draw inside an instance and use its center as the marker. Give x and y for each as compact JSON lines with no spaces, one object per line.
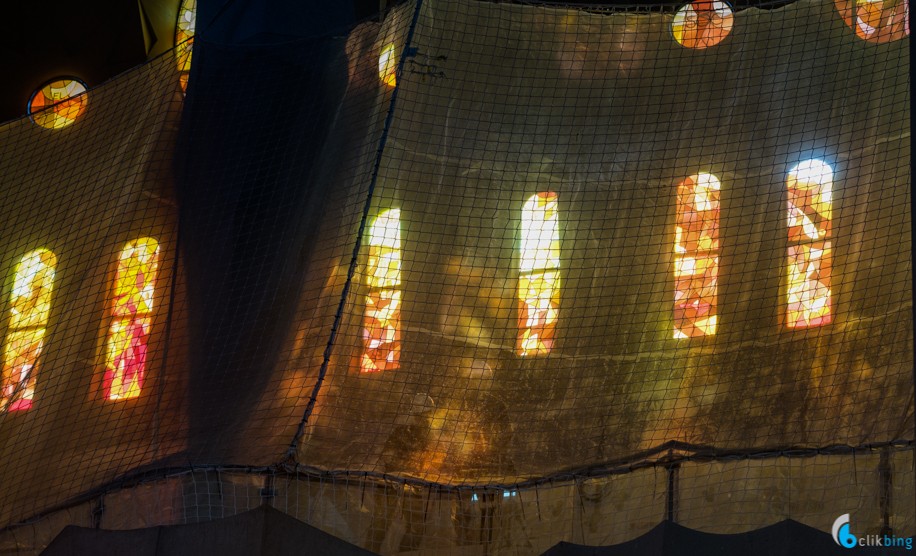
{"x":387,"y":66}
{"x":876,"y":20}
{"x":184,"y":38}
{"x":702,"y":24}
{"x":58,"y":103}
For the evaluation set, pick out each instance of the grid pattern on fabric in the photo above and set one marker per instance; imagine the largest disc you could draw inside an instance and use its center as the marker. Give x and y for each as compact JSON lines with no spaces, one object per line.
{"x":505,"y":275}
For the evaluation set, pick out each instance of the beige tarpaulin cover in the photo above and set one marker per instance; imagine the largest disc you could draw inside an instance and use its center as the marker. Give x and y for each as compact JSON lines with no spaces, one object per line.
{"x":503,"y":101}
{"x":466,"y":444}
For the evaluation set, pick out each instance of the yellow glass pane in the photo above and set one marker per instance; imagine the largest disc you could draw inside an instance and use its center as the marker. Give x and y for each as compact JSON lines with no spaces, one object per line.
{"x":540,"y":234}
{"x":184,"y":33}
{"x":20,"y":358}
{"x":386,"y":229}
{"x":388,"y":66}
{"x":125,"y":361}
{"x":384,"y":264}
{"x":58,"y":104}
{"x":702,"y":24}
{"x":539,"y":304}
{"x":135,"y":280}
{"x":384,"y":267}
{"x":31,"y":296}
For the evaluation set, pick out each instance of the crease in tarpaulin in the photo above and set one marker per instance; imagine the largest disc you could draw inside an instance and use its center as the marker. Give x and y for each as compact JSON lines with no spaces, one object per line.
{"x":408,"y":51}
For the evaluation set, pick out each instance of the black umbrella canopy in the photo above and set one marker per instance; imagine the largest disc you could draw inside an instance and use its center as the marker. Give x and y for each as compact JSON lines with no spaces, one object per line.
{"x":786,"y":538}
{"x":261,"y":531}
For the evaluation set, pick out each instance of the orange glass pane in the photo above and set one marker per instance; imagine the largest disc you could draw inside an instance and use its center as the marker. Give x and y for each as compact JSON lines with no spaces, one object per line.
{"x":810,"y":210}
{"x":58,"y":104}
{"x":538,"y":314}
{"x":698,"y":216}
{"x":696,"y":260}
{"x":125,"y":361}
{"x":702,"y":24}
{"x":809,"y":285}
{"x":20,"y":359}
{"x":381,"y":331}
{"x":809,"y":201}
{"x":136,"y":278}
{"x":876,"y":20}
{"x":695,"y":296}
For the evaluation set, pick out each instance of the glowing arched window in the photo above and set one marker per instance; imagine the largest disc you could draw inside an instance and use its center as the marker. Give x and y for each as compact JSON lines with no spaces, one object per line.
{"x":810,"y":205}
{"x":131,"y":318}
{"x":539,"y":274}
{"x":184,"y":38}
{"x":702,"y":24}
{"x":388,"y":66}
{"x":30,"y":304}
{"x":382,"y":324}
{"x":696,"y":256}
{"x":876,"y":20}
{"x":58,"y":103}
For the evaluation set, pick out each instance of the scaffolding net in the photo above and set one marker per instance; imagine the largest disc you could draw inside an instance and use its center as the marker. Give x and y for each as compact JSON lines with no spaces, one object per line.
{"x":476,"y":277}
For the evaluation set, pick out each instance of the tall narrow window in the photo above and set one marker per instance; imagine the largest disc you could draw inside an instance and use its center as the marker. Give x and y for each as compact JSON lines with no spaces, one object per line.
{"x":539,"y":274}
{"x":382,"y":324}
{"x":131,"y":318}
{"x":30,"y":304}
{"x":696,"y":256}
{"x":184,"y":39}
{"x":810,"y":206}
{"x":388,"y":66}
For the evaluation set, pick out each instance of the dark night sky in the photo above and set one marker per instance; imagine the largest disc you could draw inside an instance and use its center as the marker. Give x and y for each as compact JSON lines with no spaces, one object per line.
{"x":98,"y":39}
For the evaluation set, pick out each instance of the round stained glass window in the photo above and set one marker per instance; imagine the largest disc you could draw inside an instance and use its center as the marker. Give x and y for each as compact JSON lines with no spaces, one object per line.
{"x":184,"y":38}
{"x":702,"y":24}
{"x":876,"y":20}
{"x":58,"y":103}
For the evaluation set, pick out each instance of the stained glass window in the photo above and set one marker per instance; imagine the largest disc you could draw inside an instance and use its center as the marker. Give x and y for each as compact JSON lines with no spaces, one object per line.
{"x":876,"y":20}
{"x":30,"y":305}
{"x":702,"y":24}
{"x":696,"y":256}
{"x":58,"y":103}
{"x":810,"y":207}
{"x":184,"y":38}
{"x":388,"y":66}
{"x":539,"y":276}
{"x":131,"y":318}
{"x":382,"y":323}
